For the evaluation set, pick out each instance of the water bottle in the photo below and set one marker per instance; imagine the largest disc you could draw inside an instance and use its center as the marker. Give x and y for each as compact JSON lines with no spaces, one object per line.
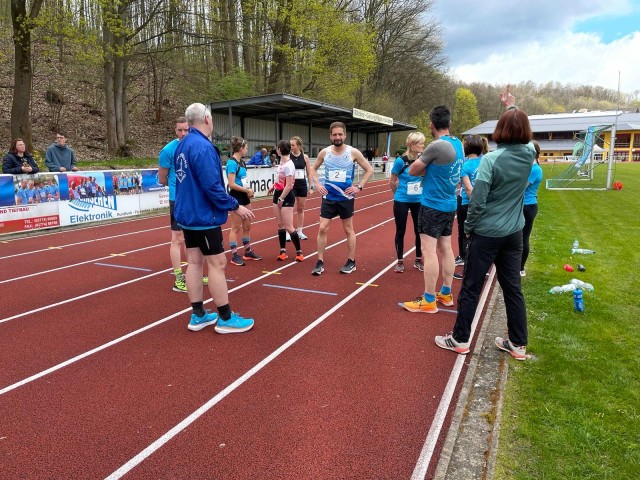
{"x":578,"y":301}
{"x":583,"y":251}
{"x":582,"y":285}
{"x":569,"y":287}
{"x":576,"y":244}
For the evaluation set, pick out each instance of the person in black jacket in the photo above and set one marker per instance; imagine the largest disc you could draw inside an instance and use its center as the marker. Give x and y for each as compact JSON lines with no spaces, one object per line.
{"x":18,"y":160}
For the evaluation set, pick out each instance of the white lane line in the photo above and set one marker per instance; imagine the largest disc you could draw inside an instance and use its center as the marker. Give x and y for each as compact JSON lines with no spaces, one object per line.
{"x":147,"y":327}
{"x":156,"y":445}
{"x":420,"y":470}
{"x":123,"y":266}
{"x":298,"y":289}
{"x":95,"y":292}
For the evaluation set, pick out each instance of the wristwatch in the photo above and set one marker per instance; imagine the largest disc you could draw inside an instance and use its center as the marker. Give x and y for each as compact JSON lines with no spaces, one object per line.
{"x":360,"y":187}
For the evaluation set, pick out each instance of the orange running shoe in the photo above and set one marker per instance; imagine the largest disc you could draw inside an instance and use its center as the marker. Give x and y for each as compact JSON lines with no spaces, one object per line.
{"x":420,"y":305}
{"x":282,"y":257}
{"x":444,"y":299}
{"x":299,"y":257}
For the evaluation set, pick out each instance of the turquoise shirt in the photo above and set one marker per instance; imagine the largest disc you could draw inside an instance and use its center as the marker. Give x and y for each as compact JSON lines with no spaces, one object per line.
{"x":469,"y":169}
{"x":409,"y":186}
{"x":238,"y":168}
{"x":535,"y":177}
{"x":166,"y":161}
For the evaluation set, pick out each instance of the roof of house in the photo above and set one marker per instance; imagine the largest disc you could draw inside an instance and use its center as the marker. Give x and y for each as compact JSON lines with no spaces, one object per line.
{"x":568,"y":122}
{"x":298,"y":110}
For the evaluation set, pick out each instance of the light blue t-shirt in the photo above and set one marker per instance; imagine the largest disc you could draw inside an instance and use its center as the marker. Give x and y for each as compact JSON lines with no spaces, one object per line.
{"x":239,"y":169}
{"x":409,"y":186}
{"x":535,"y":177}
{"x":444,"y":158}
{"x":165,"y":160}
{"x":469,"y":169}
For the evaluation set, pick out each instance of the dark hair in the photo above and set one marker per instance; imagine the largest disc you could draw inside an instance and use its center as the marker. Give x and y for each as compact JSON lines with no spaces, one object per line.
{"x":12,"y":148}
{"x":284,"y":146}
{"x":473,"y":144}
{"x":513,"y":127}
{"x":537,"y":147}
{"x":61,"y":133}
{"x":338,"y":125}
{"x":440,"y":117}
{"x":181,"y":120}
{"x":237,"y":143}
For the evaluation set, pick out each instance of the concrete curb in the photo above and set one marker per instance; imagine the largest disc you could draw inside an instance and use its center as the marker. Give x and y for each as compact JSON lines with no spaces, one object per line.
{"x":470,"y":446}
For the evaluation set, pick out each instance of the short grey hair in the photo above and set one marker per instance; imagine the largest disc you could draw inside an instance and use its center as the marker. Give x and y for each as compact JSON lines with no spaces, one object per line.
{"x":196,"y":113}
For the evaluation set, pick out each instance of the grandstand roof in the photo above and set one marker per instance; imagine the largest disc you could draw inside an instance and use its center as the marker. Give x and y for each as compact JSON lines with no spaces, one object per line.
{"x":568,"y":122}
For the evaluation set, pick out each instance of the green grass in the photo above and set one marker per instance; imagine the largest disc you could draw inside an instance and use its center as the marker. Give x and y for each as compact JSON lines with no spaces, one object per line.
{"x":573,"y":412}
{"x":118,"y":163}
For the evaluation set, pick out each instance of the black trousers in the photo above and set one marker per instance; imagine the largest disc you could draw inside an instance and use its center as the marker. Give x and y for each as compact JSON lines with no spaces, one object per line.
{"x":401,"y":214}
{"x":506,"y":254}
{"x":530,"y":212}
{"x":462,"y":238}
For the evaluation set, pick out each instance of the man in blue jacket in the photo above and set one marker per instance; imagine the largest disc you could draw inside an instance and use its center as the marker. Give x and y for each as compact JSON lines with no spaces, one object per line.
{"x":202,"y":207}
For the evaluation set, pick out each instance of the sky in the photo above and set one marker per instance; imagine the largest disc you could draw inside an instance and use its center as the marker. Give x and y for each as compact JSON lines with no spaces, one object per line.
{"x":579,"y":42}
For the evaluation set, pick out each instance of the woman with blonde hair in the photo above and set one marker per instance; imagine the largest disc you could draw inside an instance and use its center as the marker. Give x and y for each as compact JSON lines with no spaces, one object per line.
{"x":407,"y":192}
{"x":302,"y":175}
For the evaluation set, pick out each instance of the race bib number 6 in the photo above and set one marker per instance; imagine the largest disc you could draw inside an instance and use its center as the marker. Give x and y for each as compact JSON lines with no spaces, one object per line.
{"x":414,"y":188}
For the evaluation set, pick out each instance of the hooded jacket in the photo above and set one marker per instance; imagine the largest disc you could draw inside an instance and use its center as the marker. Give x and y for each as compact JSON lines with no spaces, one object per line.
{"x":12,"y":163}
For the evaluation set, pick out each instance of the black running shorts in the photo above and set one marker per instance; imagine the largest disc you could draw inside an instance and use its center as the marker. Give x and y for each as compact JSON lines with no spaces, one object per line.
{"x":344,"y":209}
{"x":209,"y":241}
{"x":435,"y":223}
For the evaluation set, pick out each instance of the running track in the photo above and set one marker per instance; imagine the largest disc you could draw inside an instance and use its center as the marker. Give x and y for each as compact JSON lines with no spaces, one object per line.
{"x":100,"y":378}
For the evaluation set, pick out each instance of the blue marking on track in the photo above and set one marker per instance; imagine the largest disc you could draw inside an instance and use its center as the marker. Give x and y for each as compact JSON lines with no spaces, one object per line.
{"x":298,"y":289}
{"x":123,"y":266}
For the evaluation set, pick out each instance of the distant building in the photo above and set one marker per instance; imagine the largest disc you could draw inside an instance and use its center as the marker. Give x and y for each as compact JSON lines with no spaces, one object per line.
{"x":558,"y":133}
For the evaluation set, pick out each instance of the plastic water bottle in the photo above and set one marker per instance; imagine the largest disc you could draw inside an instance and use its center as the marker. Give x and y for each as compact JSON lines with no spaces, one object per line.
{"x":578,"y":301}
{"x":583,"y":251}
{"x":569,"y":287}
{"x":582,"y":285}
{"x":576,"y":244}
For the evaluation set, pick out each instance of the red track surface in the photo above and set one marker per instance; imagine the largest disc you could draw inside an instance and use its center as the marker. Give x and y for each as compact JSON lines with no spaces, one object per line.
{"x":353,"y":395}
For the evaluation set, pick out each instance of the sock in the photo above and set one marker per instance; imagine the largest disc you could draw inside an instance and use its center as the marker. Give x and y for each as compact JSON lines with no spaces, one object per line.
{"x":224,"y":312}
{"x":177,"y":272}
{"x":198,"y":309}
{"x":400,"y":261}
{"x":445,"y":290}
{"x":282,"y":237}
{"x":234,"y":247}
{"x":429,"y":298}
{"x":295,"y":239}
{"x":246,"y":241}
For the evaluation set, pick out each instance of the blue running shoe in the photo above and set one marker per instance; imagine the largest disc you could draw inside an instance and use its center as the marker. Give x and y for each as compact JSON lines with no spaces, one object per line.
{"x":198,"y":323}
{"x":236,"y":324}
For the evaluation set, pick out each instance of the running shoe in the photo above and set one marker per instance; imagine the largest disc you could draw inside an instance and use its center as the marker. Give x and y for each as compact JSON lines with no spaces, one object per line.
{"x":418,"y":264}
{"x":524,"y":273}
{"x":282,"y":257}
{"x":349,"y":267}
{"x":198,"y":323}
{"x":318,"y":269}
{"x":448,"y":343}
{"x":420,"y":305}
{"x":399,"y":267}
{"x":457,"y":276}
{"x":236,"y":259}
{"x":180,"y":285}
{"x":519,"y":353}
{"x":302,"y":235}
{"x":251,"y":255}
{"x":445,"y":299}
{"x":299,"y":257}
{"x":205,"y":281}
{"x":235,"y":324}
{"x":459,"y":261}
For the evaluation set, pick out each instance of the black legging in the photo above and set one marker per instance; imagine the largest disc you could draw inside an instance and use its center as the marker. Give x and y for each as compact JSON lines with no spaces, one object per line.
{"x":401,"y":214}
{"x":462,"y":238}
{"x":530,"y":212}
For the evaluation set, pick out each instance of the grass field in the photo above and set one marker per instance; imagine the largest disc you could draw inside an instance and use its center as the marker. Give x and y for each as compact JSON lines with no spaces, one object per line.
{"x":573,"y":411}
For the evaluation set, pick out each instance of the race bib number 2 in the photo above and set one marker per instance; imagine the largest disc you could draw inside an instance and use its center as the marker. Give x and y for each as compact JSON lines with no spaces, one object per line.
{"x":338,"y":176}
{"x":414,"y":188}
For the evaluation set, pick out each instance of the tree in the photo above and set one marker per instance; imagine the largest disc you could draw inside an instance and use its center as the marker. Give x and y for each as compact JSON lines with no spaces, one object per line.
{"x":465,"y":112}
{"x":23,"y":24}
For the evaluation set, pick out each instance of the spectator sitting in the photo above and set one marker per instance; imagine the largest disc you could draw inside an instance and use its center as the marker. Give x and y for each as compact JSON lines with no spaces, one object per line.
{"x":18,"y":160}
{"x":60,"y":156}
{"x":258,"y":157}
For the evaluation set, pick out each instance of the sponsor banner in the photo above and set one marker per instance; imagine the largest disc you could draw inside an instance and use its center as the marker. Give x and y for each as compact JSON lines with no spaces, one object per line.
{"x":21,"y":218}
{"x":125,"y":182}
{"x":98,"y":209}
{"x":7,"y":192}
{"x":150,"y":181}
{"x":82,"y":185}
{"x":154,"y":200}
{"x":261,"y":180}
{"x":32,"y":189}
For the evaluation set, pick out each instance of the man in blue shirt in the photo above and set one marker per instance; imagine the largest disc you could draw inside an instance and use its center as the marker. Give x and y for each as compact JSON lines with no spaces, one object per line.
{"x":258,"y":157}
{"x":440,"y":164}
{"x":202,"y":207}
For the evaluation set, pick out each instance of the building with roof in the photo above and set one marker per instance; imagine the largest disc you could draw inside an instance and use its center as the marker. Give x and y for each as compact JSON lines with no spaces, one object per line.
{"x":265,"y":119}
{"x":558,"y":133}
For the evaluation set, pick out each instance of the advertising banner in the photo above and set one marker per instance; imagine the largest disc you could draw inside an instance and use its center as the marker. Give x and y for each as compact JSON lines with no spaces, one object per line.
{"x":21,"y":218}
{"x":98,"y":209}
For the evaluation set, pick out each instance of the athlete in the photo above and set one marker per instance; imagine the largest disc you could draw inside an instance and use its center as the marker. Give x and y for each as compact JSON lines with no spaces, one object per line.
{"x":338,"y":192}
{"x":302,"y":175}
{"x":239,"y":189}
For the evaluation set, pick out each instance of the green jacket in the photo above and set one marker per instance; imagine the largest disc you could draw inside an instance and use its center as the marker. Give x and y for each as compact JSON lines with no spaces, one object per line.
{"x":495,"y":208}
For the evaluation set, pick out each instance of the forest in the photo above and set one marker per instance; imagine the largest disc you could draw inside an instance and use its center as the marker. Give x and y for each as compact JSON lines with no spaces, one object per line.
{"x":116,"y":72}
